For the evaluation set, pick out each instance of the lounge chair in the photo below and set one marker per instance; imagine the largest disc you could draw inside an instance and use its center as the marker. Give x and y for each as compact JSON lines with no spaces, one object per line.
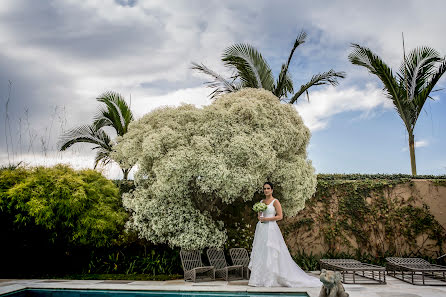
{"x":355,"y":272}
{"x":416,"y":271}
{"x":222,"y":270}
{"x":240,"y":256}
{"x":193,"y":267}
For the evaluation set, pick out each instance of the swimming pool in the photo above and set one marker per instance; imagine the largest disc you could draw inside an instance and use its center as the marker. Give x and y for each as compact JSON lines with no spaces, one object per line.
{"x":121,"y":293}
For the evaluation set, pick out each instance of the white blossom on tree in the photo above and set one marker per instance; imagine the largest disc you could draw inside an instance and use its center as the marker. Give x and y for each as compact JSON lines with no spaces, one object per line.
{"x":194,"y":161}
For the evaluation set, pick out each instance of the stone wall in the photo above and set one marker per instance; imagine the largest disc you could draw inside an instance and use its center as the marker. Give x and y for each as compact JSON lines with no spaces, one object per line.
{"x":379,"y":218}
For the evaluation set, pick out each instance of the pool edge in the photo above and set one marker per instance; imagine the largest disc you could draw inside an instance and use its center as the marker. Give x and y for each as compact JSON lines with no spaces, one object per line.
{"x":312,"y":292}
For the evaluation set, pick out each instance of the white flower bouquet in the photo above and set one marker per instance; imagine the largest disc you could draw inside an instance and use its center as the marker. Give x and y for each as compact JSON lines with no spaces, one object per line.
{"x":259,"y":206}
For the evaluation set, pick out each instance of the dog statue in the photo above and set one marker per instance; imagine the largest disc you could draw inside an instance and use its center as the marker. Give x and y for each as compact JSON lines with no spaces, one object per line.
{"x":331,"y":284}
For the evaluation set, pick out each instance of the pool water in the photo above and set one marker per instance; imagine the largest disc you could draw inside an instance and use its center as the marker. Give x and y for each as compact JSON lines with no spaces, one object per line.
{"x":118,"y":293}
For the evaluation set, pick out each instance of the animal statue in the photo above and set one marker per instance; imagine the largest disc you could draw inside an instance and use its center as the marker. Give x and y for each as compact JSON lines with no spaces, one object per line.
{"x":331,"y":284}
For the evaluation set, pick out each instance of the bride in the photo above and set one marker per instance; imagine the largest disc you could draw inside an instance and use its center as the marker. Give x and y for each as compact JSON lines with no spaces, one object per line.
{"x":271,"y":264}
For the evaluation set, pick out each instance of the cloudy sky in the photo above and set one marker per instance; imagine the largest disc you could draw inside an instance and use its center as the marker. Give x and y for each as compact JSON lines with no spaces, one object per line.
{"x":56,"y":57}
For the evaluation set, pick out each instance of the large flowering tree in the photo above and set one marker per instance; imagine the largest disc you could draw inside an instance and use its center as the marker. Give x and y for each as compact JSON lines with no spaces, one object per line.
{"x":192,"y":162}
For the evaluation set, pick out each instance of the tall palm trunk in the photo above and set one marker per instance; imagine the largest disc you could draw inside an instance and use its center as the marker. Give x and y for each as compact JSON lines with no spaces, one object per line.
{"x":413,"y":165}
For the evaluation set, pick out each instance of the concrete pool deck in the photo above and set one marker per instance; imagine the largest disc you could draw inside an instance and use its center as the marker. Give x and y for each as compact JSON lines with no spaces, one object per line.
{"x":393,"y":288}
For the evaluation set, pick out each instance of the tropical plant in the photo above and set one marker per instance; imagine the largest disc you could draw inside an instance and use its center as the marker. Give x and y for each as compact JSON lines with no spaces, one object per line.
{"x":252,"y":71}
{"x":194,"y":163}
{"x":117,"y":115}
{"x":410,"y":88}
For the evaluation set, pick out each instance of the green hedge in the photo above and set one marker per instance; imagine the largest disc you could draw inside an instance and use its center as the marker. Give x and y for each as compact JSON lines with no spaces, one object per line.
{"x":70,"y":207}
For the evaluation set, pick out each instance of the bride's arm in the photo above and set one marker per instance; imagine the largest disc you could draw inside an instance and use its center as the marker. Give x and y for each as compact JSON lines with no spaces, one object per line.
{"x":278,"y":215}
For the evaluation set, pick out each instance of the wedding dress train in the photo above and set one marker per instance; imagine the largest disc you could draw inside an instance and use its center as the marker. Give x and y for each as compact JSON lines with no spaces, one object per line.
{"x":271,"y":264}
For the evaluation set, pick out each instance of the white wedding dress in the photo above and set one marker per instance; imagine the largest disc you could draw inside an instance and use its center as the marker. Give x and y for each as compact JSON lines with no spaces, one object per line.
{"x":271,"y":264}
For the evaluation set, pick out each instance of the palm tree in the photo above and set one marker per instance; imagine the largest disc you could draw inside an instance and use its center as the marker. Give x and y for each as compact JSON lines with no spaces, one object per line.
{"x":410,"y":88}
{"x":251,"y":70}
{"x":116,"y":114}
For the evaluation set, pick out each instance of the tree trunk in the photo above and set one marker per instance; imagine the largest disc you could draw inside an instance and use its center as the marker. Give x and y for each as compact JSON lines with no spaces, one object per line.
{"x":126,"y":173}
{"x":413,"y":164}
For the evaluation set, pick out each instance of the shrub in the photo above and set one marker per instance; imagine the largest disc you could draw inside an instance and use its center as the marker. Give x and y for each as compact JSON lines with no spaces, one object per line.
{"x":194,"y":162}
{"x":69,"y":207}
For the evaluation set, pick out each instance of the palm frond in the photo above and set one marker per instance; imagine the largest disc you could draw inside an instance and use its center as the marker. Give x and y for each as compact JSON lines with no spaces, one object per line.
{"x":112,"y":113}
{"x":221,"y":85}
{"x":325,"y":78}
{"x":117,"y":112}
{"x":422,"y":96}
{"x":103,"y":157}
{"x":252,"y":69}
{"x":363,"y":56}
{"x":101,"y":121}
{"x":283,"y":85}
{"x":286,"y":88}
{"x":85,"y":134}
{"x":418,"y":68}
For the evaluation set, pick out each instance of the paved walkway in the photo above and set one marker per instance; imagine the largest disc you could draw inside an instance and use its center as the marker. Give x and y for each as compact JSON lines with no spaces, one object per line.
{"x":393,"y":288}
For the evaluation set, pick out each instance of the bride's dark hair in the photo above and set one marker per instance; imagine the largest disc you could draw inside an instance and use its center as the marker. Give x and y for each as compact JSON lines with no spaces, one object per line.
{"x":270,"y":184}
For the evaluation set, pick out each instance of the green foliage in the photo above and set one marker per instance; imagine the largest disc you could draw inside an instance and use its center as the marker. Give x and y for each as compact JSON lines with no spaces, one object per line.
{"x":155,"y":262}
{"x":125,"y":186}
{"x":359,"y":210}
{"x":300,"y":223}
{"x":10,"y":166}
{"x":359,"y":176}
{"x":439,"y":182}
{"x":69,"y":207}
{"x":307,"y":262}
{"x":240,"y":235}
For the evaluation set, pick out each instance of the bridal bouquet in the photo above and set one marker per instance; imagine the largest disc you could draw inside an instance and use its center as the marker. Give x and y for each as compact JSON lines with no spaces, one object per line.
{"x":259,"y":206}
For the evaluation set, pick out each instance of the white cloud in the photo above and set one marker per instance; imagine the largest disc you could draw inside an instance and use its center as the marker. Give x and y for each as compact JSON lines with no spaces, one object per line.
{"x":418,"y":144}
{"x":379,"y":25}
{"x":421,"y":143}
{"x":196,"y":96}
{"x":66,"y":53}
{"x":76,"y":159}
{"x":331,"y":101}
